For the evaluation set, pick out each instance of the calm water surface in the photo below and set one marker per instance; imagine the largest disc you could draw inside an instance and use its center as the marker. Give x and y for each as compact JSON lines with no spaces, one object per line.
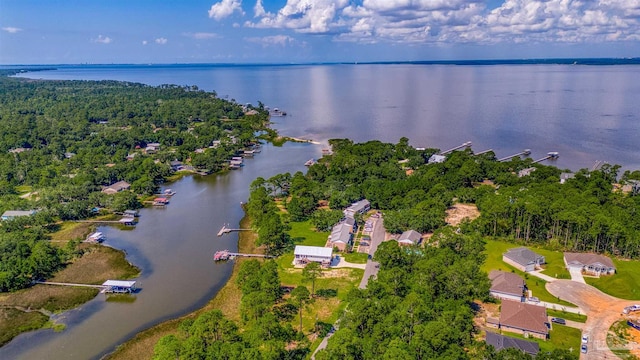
{"x":586,"y":113}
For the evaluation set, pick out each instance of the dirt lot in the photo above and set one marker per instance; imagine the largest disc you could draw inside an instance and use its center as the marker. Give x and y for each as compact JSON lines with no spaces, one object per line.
{"x":458,"y":212}
{"x":602,"y":311}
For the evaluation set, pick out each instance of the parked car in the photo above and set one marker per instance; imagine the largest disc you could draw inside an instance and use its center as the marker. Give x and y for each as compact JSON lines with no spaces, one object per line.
{"x":585,"y":338}
{"x":583,"y":348}
{"x":560,"y":321}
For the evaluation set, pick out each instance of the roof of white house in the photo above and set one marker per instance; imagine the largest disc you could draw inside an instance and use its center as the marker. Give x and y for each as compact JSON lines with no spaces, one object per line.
{"x":586,"y":259}
{"x":313,"y":251}
{"x":410,"y":235}
{"x":522,"y":256}
{"x":119,"y":283}
{"x":437,"y":158}
{"x":16,"y":213}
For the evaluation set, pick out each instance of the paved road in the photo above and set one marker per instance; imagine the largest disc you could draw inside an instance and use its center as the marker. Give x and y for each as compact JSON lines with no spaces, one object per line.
{"x":602,"y":311}
{"x":542,"y":276}
{"x":377,"y":237}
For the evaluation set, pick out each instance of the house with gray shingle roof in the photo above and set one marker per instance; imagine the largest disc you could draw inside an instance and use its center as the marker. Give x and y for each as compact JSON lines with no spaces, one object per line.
{"x":341,"y":236}
{"x":525,"y":319}
{"x":590,"y":263}
{"x":506,"y":285}
{"x":12,"y":214}
{"x":410,"y":237}
{"x":523,"y":259}
{"x":500,"y":342}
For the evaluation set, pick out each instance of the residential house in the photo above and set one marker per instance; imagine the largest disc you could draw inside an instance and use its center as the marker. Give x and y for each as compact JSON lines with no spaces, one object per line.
{"x":341,"y":236}
{"x":359,"y":207}
{"x":410,"y":237}
{"x":566,"y":176}
{"x":176,"y":165}
{"x":116,"y":187}
{"x":523,"y":259}
{"x":500,"y":342}
{"x":436,"y":159}
{"x":12,"y":214}
{"x":525,"y":319}
{"x":152,"y":148}
{"x":526,"y":172}
{"x":303,"y":255}
{"x":592,"y":264}
{"x":506,"y":285}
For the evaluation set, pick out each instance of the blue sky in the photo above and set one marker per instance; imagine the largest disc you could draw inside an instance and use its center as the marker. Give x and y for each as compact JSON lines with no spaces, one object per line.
{"x":298,"y":31}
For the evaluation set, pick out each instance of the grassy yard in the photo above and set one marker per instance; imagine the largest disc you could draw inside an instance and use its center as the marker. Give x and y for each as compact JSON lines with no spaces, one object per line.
{"x":560,"y":337}
{"x":625,"y":284}
{"x":494,"y":250}
{"x":304,"y":233}
{"x":355,"y":258}
{"x":567,"y":315}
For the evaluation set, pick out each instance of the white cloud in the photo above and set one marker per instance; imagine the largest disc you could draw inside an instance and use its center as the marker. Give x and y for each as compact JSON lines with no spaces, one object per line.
{"x":102,"y":40}
{"x":144,"y":42}
{"x":161,"y":41}
{"x":276,"y":40}
{"x":464,"y":21}
{"x":201,"y":35}
{"x":11,"y":29}
{"x":224,"y":9}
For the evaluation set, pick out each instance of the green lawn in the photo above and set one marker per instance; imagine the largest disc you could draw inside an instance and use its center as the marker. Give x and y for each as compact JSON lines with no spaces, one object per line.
{"x":625,"y":284}
{"x":560,"y":337}
{"x":567,"y":315}
{"x":494,"y":250}
{"x":303,"y":233}
{"x":355,"y":258}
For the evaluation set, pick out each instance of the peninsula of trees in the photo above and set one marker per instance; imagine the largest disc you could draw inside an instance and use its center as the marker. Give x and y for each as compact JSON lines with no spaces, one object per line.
{"x":62,"y":142}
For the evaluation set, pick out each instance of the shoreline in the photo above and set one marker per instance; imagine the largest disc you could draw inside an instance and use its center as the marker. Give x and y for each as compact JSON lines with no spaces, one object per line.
{"x":227,"y":299}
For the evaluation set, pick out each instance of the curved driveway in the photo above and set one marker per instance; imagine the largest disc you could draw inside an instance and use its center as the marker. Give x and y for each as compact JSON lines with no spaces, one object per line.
{"x":602,"y":311}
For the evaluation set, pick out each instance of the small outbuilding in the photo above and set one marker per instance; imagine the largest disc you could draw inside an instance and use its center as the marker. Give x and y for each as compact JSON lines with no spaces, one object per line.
{"x":523,"y":259}
{"x":116,"y":187}
{"x":410,"y":237}
{"x":302,"y":255}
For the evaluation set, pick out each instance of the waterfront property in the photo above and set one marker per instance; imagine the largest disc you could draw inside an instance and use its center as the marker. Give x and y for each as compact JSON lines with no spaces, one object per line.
{"x":119,"y":286}
{"x":592,"y":264}
{"x":525,"y":319}
{"x":341,"y":236}
{"x":160,"y":201}
{"x":410,"y":237}
{"x":436,"y":159}
{"x":116,"y":187}
{"x":506,"y":285}
{"x":523,"y":259}
{"x":12,"y":214}
{"x":359,"y":207}
{"x":302,"y":255}
{"x":500,"y":342}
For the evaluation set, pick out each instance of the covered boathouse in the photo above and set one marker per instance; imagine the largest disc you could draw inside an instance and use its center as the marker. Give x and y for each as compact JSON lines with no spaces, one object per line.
{"x":119,"y":286}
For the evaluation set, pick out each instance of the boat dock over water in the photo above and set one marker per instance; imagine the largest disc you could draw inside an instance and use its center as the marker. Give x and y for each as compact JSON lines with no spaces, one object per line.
{"x":226,"y":230}
{"x":525,"y":152}
{"x":552,"y":155}
{"x":223,"y":255}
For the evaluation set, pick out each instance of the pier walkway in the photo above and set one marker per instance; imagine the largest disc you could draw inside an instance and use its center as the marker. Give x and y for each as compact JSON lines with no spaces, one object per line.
{"x":227,"y":255}
{"x":226,"y":230}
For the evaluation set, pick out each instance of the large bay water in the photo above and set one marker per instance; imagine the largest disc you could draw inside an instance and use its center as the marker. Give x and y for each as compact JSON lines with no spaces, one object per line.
{"x":586,"y":113}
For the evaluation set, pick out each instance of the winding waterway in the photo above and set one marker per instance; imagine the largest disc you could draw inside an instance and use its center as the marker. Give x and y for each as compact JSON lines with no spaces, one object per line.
{"x":174,"y":247}
{"x":586,"y":113}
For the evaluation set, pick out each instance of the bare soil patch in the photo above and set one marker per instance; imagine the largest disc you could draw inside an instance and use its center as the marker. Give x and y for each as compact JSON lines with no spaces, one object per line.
{"x":459,"y":212}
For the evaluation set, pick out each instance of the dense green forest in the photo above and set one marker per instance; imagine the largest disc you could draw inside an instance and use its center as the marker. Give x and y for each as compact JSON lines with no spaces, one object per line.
{"x":584,"y":214}
{"x":62,"y":141}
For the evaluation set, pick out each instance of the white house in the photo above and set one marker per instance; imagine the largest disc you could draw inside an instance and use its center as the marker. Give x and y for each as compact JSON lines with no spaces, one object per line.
{"x":303,"y":255}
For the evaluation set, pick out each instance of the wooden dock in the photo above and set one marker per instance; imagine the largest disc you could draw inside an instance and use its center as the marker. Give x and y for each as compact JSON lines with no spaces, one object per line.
{"x":525,"y":152}
{"x":550,"y":156}
{"x":223,"y":255}
{"x":68,"y":284}
{"x":467,"y":144}
{"x":226,"y":230}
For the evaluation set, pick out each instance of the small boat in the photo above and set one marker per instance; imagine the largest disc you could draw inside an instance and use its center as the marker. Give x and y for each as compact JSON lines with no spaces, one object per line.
{"x":95,"y":237}
{"x":553,"y":154}
{"x":169,"y":192}
{"x":277,"y":112}
{"x":310,"y":162}
{"x":221,"y":255}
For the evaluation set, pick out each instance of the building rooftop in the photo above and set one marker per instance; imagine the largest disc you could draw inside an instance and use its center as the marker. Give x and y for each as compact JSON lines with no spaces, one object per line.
{"x":524,"y":316}
{"x":588,"y":259}
{"x":500,"y":342}
{"x":506,"y":282}
{"x":522,"y":256}
{"x":410,"y":235}
{"x":313,"y":251}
